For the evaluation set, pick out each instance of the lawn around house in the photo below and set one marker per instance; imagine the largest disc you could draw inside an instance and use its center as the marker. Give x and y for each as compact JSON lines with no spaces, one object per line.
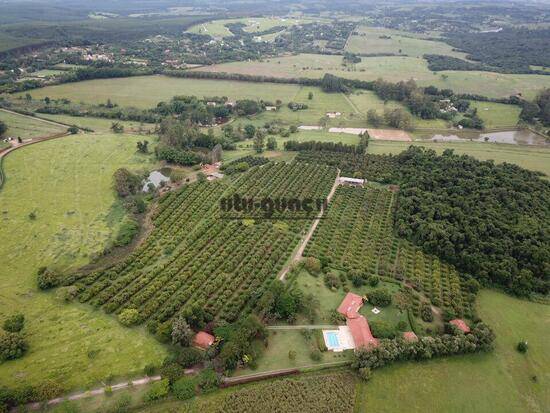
{"x":453,"y":384}
{"x":67,"y":184}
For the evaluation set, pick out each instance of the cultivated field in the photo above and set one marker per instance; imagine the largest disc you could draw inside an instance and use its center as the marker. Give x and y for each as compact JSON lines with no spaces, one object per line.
{"x":27,"y":127}
{"x":229,"y":255}
{"x":372,"y":40}
{"x":392,"y":69}
{"x":67,"y":183}
{"x":499,"y":381}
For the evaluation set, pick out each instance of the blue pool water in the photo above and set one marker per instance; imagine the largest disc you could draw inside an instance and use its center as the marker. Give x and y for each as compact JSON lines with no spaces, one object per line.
{"x":332,"y":339}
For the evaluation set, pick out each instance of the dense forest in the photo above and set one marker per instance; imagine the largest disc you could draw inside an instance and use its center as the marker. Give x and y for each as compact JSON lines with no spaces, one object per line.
{"x":512,"y":50}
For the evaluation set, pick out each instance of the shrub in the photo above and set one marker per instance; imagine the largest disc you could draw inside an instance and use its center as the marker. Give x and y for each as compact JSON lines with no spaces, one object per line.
{"x":149,"y":370}
{"x":48,"y":279}
{"x":164,"y":332}
{"x":67,"y":294}
{"x":380,"y":297}
{"x":331,"y":280}
{"x":522,"y":347}
{"x":126,"y":233}
{"x":128,"y":317}
{"x":382,"y":329}
{"x":172,"y":371}
{"x":181,"y":332}
{"x":190,"y":356}
{"x":292,"y":355}
{"x":365,"y":373}
{"x":208,"y":380}
{"x":48,"y":390}
{"x":158,"y":390}
{"x":12,"y":346}
{"x":312,"y":265}
{"x":426,"y":313}
{"x":14,"y":323}
{"x":184,"y":388}
{"x":316,"y":355}
{"x":374,"y":280}
{"x":121,"y":404}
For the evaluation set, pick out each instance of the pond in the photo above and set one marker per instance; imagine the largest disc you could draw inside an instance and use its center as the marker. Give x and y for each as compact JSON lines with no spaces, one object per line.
{"x":155,"y":178}
{"x":514,"y":137}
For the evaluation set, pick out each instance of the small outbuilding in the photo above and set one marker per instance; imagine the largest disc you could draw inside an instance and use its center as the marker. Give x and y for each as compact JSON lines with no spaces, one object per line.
{"x":351,"y":181}
{"x":203,"y":340}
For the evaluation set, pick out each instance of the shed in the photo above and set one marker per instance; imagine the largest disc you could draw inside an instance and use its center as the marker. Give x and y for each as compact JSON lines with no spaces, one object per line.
{"x":203,"y":340}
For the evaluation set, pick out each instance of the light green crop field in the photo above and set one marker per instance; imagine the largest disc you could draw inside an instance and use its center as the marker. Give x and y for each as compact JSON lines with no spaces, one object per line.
{"x":218,"y":30}
{"x":96,"y":124}
{"x":528,"y":157}
{"x":147,"y":91}
{"x":501,"y":381}
{"x":393,"y":68}
{"x":497,"y":115}
{"x":373,"y":40}
{"x":28,"y":127}
{"x":67,"y":183}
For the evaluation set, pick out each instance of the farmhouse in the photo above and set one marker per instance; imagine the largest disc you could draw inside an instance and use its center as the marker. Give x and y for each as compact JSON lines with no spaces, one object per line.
{"x":333,"y":115}
{"x":356,"y":333}
{"x":271,"y":108}
{"x":343,"y":180}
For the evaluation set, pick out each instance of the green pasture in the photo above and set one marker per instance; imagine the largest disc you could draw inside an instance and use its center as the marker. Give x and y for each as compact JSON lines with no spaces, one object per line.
{"x":528,"y":157}
{"x":147,"y":91}
{"x":497,"y":115}
{"x":97,"y":124}
{"x":67,"y":183}
{"x":28,"y":127}
{"x":503,"y":381}
{"x":394,"y":69}
{"x":370,"y":40}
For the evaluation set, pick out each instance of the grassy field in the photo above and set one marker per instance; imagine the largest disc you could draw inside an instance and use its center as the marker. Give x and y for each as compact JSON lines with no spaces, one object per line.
{"x":218,"y":30}
{"x":147,"y":91}
{"x":275,"y":355}
{"x":27,"y":127}
{"x":500,"y":381}
{"x":373,"y":40}
{"x":497,"y":115}
{"x":96,"y":124}
{"x":67,"y":184}
{"x":534,"y":158}
{"x":392,"y":69}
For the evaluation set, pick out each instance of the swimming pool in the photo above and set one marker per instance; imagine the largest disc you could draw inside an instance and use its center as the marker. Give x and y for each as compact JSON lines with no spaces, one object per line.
{"x":332,"y":338}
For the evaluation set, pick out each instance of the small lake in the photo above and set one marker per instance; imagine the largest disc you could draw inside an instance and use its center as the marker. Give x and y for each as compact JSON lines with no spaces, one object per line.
{"x":155,"y":178}
{"x":513,"y":137}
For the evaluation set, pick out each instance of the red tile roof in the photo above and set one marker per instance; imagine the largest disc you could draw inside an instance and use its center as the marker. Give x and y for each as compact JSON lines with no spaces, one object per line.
{"x":460,"y":324}
{"x":349,"y":308}
{"x":203,"y":339}
{"x":410,"y":336}
{"x":360,"y":331}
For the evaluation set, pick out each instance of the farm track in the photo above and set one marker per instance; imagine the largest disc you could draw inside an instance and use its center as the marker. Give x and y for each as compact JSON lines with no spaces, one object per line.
{"x":301,"y":247}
